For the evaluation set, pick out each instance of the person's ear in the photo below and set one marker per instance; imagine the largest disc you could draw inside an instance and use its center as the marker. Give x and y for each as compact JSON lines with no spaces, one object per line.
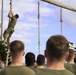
{"x":23,"y":53}
{"x":45,"y":53}
{"x":67,"y":54}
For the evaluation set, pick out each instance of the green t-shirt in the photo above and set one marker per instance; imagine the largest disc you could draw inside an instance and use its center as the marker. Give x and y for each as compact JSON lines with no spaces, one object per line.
{"x":17,"y":70}
{"x":54,"y":72}
{"x":12,"y":22}
{"x":71,"y":67}
{"x":35,"y":70}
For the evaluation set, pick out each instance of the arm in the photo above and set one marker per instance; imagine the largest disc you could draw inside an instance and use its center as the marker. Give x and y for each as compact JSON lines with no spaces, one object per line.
{"x":10,"y":14}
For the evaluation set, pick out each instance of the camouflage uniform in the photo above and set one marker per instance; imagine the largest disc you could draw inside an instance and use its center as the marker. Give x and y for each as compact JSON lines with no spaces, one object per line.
{"x":10,"y":29}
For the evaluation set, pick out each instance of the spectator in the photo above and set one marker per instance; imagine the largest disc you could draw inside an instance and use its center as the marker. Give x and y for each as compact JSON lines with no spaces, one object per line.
{"x":16,"y":67}
{"x":70,"y":65}
{"x":56,"y":50}
{"x":30,"y":59}
{"x":71,"y":56}
{"x":40,"y":61}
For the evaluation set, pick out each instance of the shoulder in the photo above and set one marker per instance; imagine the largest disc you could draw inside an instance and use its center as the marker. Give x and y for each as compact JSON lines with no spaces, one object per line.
{"x":36,"y":70}
{"x":20,"y":69}
{"x":68,"y":72}
{"x":67,"y":65}
{"x":54,"y":72}
{"x":43,"y":72}
{"x":28,"y":70}
{"x":2,"y":72}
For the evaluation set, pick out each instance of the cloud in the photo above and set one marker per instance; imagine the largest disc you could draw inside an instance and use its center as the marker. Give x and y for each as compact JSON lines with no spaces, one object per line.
{"x":21,"y":37}
{"x":46,"y":11}
{"x":69,"y":17}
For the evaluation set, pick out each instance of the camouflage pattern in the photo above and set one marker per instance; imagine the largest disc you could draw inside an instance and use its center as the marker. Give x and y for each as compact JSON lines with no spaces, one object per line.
{"x":10,"y":29}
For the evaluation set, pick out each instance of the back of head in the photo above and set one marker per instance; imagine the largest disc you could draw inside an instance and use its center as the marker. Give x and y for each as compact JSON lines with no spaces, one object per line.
{"x":56,"y":47}
{"x":16,"y":15}
{"x":16,"y":47}
{"x":29,"y":59}
{"x":71,"y":55}
{"x":40,"y":60}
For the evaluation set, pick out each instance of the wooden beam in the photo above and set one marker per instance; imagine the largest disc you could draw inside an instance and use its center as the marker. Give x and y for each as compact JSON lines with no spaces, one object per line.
{"x":60,"y":5}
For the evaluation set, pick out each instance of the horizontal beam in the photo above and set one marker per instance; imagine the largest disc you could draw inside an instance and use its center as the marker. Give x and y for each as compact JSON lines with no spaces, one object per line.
{"x":60,"y":5}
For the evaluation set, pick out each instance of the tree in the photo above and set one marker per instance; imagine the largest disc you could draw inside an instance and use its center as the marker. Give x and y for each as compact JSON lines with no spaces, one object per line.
{"x":0,"y":37}
{"x":3,"y":52}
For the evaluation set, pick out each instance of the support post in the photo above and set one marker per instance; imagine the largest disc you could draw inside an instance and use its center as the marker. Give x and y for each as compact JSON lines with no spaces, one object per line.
{"x":56,"y":3}
{"x":2,"y":19}
{"x":38,"y":26}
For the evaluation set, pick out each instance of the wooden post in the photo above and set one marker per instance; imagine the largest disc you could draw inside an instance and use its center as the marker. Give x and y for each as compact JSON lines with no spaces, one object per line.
{"x":60,"y":5}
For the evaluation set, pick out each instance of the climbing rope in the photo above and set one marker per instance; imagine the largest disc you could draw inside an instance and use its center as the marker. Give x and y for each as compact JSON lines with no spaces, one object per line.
{"x":10,"y":4}
{"x":8,"y":40}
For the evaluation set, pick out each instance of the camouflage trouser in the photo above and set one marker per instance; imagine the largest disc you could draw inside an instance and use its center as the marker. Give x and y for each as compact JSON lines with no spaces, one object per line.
{"x":7,"y":33}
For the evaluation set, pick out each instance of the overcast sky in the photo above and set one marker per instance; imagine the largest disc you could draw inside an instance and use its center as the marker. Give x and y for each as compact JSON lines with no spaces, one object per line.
{"x":26,"y":29}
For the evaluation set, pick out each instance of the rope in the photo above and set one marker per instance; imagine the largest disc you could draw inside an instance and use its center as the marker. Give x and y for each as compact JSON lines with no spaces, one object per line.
{"x":9,"y":40}
{"x":61,"y":20}
{"x":10,"y":4}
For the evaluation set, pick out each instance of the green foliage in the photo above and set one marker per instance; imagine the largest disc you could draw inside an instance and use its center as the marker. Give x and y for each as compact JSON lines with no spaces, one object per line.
{"x":3,"y":52}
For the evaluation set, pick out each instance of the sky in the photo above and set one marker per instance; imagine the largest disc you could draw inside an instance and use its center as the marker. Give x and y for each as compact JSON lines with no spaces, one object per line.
{"x":26,"y":28}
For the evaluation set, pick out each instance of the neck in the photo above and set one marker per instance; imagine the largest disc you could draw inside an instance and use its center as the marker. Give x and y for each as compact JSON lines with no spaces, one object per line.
{"x":30,"y":66}
{"x":71,"y":62}
{"x":40,"y":66}
{"x":16,"y":61}
{"x":56,"y":65}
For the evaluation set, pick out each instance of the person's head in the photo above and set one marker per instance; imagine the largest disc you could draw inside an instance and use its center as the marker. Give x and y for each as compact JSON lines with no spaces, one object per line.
{"x":57,"y":48}
{"x":40,"y":60}
{"x":71,"y":55}
{"x":16,"y":15}
{"x":30,"y":59}
{"x":17,"y":48}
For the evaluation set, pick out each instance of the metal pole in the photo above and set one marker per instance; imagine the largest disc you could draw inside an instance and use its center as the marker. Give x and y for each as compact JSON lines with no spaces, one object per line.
{"x":39,"y":26}
{"x":2,"y":19}
{"x":60,"y":5}
{"x":61,"y":19}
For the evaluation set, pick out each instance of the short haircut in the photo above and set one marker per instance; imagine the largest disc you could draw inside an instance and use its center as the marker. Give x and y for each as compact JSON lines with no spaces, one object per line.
{"x":29,"y":59}
{"x":71,"y":55}
{"x":16,"y":15}
{"x":40,"y":60}
{"x":16,"y":47}
{"x":56,"y":47}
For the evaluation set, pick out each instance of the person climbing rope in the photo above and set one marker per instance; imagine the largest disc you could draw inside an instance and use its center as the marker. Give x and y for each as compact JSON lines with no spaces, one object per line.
{"x":10,"y":29}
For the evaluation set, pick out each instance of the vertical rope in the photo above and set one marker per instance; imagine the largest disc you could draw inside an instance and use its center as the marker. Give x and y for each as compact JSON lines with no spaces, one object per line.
{"x":61,"y":19}
{"x":39,"y":26}
{"x":10,"y":4}
{"x":9,"y":40}
{"x":10,"y":7}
